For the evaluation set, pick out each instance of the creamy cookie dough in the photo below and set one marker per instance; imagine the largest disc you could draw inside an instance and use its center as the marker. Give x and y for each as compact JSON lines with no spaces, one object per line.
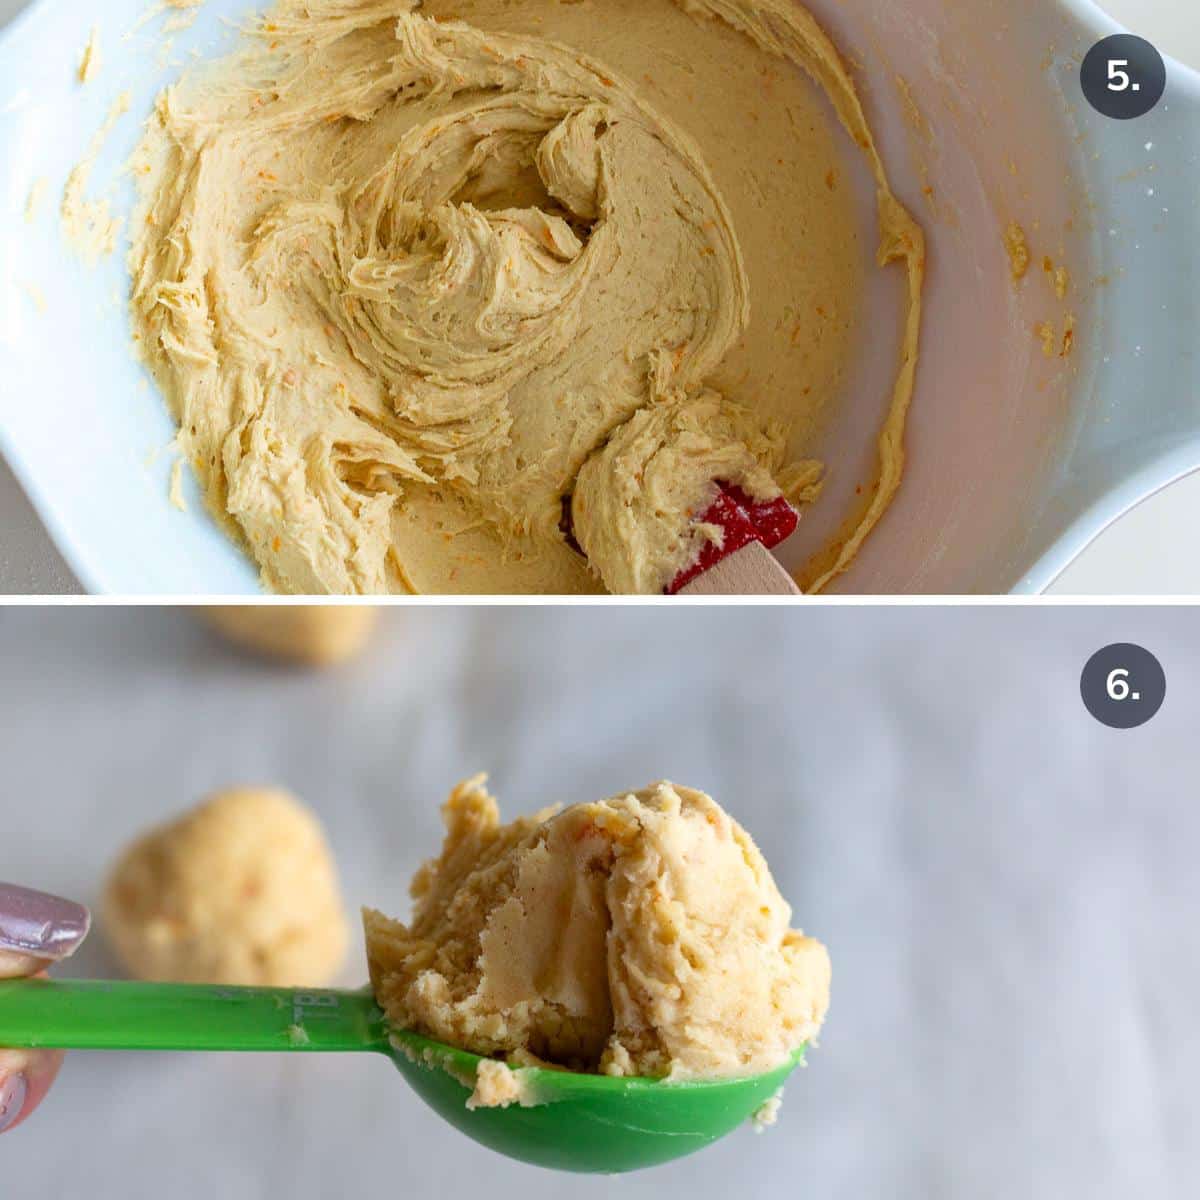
{"x":315,"y":635}
{"x":420,"y":283}
{"x":639,"y":499}
{"x":641,"y":935}
{"x":242,"y":890}
{"x":497,"y":1085}
{"x":89,"y":60}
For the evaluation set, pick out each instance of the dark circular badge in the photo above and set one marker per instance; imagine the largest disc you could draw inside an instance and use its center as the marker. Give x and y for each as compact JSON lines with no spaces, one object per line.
{"x":1123,"y":685}
{"x":1123,"y":76}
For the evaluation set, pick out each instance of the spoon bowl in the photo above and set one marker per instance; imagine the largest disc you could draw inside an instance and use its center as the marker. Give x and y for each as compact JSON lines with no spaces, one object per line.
{"x":588,"y":1123}
{"x":567,"y":1121}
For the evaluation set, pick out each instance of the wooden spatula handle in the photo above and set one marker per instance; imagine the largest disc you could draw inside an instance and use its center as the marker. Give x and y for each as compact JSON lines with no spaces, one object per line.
{"x":751,"y":571}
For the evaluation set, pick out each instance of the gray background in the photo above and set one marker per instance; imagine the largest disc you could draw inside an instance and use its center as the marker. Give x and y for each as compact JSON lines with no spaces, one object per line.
{"x":1009,"y":890}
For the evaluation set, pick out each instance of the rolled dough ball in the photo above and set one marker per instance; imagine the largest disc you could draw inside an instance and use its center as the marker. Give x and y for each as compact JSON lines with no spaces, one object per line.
{"x":319,"y":635}
{"x":240,"y":890}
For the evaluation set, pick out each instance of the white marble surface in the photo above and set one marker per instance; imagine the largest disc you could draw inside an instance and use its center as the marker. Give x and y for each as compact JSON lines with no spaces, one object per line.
{"x":1141,"y":554}
{"x":1009,"y":889}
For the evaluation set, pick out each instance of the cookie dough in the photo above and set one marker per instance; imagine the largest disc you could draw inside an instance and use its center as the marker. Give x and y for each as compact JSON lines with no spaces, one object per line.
{"x":242,"y":890}
{"x":316,"y":635}
{"x":404,"y":275}
{"x":497,"y":1085}
{"x":641,"y":935}
{"x":636,"y":498}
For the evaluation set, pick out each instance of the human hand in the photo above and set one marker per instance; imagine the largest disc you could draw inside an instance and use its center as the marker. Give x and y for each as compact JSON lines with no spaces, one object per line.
{"x":36,"y":931}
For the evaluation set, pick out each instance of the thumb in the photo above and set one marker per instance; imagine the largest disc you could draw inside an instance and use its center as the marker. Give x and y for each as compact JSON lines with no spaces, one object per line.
{"x":36,"y":930}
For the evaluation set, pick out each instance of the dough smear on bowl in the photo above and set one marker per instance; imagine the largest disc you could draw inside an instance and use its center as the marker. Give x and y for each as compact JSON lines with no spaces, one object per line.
{"x":439,"y":295}
{"x":316,"y":635}
{"x":641,"y":935}
{"x":241,"y":890}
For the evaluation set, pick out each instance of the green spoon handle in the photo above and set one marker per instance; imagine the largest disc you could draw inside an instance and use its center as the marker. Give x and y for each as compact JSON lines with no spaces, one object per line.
{"x":98,"y":1014}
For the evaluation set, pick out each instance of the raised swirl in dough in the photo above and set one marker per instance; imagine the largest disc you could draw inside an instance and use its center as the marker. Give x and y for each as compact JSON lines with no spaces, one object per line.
{"x":639,"y":501}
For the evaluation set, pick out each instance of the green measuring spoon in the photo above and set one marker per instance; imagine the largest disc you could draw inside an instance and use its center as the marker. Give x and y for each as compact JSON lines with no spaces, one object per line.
{"x":578,"y":1123}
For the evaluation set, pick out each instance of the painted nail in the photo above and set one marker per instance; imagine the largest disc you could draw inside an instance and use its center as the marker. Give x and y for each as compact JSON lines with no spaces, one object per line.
{"x":39,"y":924}
{"x":12,"y":1100}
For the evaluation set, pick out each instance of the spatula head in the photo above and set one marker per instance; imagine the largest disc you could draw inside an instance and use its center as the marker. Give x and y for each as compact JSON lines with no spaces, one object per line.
{"x":742,"y":520}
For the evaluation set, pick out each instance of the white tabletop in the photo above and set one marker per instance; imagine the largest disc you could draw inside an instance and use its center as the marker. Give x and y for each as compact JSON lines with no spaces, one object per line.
{"x":1008,"y":889}
{"x":1138,"y":555}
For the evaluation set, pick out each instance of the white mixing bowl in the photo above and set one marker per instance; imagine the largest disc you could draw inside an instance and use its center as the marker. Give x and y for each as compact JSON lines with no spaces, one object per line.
{"x":1015,"y":460}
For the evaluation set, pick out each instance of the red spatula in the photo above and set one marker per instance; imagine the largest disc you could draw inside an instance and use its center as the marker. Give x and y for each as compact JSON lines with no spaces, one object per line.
{"x":742,"y":565}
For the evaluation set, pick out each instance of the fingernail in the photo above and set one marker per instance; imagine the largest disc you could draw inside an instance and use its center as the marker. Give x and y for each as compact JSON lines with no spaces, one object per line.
{"x":39,"y":924}
{"x":12,"y":1100}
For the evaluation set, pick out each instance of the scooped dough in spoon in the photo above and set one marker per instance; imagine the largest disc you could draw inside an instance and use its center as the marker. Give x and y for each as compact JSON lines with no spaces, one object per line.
{"x":404,"y":271}
{"x":641,"y":935}
{"x":241,"y":890}
{"x":316,"y":635}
